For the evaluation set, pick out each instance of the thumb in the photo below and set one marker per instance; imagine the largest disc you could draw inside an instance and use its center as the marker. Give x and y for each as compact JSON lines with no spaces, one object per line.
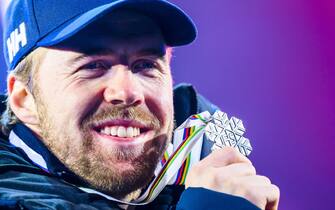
{"x":273,"y":198}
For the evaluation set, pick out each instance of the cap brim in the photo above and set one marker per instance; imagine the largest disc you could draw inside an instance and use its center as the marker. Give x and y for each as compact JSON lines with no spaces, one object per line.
{"x":177,"y":28}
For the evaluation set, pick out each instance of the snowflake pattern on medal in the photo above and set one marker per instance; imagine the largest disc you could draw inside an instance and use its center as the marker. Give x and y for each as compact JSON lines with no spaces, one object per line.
{"x":227,"y":132}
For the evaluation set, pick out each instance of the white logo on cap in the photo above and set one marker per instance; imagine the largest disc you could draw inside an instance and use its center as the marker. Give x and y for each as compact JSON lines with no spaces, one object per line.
{"x":17,"y":37}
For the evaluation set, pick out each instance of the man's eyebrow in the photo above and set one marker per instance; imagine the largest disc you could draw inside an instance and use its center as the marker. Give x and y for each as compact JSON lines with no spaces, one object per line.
{"x":159,"y":52}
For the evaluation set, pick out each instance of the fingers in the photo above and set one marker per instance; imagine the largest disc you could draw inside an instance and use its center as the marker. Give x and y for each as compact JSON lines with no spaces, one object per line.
{"x":230,"y":172}
{"x":235,"y":170}
{"x":211,"y":171}
{"x":258,"y":190}
{"x":224,"y":157}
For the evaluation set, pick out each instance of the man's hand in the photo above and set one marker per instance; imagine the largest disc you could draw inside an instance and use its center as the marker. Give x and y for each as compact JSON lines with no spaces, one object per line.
{"x":228,"y":171}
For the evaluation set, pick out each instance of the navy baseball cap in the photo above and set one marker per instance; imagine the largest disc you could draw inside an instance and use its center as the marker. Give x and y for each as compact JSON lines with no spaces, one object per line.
{"x":29,"y":24}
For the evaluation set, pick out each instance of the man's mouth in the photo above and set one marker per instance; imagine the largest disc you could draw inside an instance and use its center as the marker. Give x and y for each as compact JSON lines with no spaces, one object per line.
{"x":122,"y":129}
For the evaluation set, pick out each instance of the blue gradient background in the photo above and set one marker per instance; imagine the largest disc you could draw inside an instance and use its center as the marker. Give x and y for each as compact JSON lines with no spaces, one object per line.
{"x":270,"y":63}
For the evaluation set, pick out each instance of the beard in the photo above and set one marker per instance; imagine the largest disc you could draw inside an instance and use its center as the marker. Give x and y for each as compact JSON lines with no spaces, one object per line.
{"x":100,"y":166}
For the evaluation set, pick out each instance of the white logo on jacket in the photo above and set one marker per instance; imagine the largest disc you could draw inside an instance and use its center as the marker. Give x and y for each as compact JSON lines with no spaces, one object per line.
{"x":16,"y":40}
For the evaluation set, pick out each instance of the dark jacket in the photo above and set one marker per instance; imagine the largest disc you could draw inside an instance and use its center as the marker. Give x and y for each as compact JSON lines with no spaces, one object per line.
{"x":24,"y":185}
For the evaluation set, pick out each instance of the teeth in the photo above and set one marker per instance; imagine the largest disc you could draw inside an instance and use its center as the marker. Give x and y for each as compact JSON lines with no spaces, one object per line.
{"x":113,"y":131}
{"x":107,"y":130}
{"x":130,"y":132}
{"x":121,"y":131}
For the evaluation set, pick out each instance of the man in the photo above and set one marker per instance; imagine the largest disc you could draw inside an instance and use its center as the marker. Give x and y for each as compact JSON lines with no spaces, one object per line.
{"x":90,"y":111}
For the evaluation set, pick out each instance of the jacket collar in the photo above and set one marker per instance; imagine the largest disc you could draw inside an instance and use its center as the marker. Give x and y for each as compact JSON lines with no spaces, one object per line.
{"x":21,"y":136}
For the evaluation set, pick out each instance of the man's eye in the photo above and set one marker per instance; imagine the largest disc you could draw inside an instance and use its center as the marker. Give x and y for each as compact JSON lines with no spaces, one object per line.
{"x":97,"y":65}
{"x":143,"y":65}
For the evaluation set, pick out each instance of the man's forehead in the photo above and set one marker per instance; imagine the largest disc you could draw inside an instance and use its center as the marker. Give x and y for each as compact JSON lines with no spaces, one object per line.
{"x":111,"y":46}
{"x":141,"y":51}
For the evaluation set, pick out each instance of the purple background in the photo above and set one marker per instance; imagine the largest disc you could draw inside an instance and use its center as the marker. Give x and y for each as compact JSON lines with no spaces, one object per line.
{"x":270,"y":63}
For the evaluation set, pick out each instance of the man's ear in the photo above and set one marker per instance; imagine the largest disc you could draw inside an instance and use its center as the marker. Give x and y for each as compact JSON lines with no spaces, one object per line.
{"x":21,"y":101}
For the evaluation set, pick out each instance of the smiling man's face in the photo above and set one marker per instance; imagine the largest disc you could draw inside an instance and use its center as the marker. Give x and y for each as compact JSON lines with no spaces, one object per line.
{"x":104,"y":99}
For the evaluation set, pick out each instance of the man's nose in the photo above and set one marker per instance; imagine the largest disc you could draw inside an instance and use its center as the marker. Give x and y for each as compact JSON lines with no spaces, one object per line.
{"x":123,"y":88}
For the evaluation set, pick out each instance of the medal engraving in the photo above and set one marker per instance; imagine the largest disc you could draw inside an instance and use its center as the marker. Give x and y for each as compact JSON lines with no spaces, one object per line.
{"x":227,"y":132}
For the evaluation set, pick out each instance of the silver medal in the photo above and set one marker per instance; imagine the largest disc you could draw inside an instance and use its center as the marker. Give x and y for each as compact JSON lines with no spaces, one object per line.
{"x":227,"y":132}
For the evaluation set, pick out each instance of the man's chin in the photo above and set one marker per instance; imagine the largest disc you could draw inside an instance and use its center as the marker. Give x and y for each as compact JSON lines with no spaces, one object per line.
{"x":121,"y":170}
{"x":121,"y":179}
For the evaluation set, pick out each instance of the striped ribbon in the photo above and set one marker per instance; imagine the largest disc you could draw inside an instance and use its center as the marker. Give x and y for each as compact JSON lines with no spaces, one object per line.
{"x":182,"y":172}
